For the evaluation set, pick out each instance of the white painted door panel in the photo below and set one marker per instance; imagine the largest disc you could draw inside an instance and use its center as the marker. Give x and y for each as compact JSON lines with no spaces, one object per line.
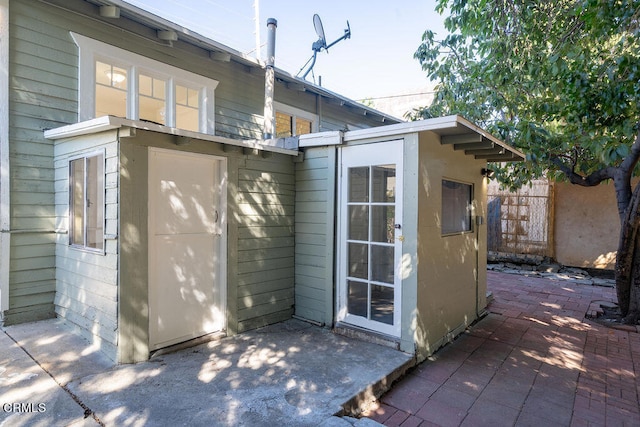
{"x":186,"y":280}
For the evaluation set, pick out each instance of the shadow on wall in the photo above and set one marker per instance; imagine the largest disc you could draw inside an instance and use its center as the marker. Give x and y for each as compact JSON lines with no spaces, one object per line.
{"x":185,"y":295}
{"x":262,"y":207}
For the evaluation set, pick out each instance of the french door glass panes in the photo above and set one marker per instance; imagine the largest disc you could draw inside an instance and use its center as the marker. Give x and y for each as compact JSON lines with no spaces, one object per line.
{"x":371,"y":242}
{"x":370,"y":231}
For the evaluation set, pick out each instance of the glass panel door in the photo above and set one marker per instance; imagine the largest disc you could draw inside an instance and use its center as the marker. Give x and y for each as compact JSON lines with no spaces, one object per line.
{"x":370,"y":237}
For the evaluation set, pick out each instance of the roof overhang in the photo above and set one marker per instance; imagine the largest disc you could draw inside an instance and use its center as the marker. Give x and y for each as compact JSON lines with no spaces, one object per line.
{"x":167,"y":32}
{"x":105,"y":123}
{"x":296,"y":83}
{"x":453,"y":130}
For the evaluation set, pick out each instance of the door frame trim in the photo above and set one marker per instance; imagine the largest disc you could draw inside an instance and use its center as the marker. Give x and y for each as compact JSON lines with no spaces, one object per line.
{"x":341,"y":316}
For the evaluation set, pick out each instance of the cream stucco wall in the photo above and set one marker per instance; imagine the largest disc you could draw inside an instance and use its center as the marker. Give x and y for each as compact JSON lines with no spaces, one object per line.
{"x":451,"y":269}
{"x":586,"y":226}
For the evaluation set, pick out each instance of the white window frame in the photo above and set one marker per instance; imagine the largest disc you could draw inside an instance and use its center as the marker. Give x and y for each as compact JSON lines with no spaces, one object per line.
{"x":91,"y":50}
{"x":297,"y":112}
{"x":367,"y":155}
{"x":84,"y":246}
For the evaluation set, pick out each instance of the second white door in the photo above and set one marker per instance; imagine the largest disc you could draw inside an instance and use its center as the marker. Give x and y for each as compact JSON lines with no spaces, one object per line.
{"x":370,"y":236}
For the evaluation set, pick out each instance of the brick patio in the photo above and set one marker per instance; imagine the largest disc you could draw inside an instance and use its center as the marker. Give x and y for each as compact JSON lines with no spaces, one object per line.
{"x":533,"y":361}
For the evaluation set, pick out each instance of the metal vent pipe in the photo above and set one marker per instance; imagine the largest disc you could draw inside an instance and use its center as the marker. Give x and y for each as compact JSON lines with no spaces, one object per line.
{"x":270,"y":80}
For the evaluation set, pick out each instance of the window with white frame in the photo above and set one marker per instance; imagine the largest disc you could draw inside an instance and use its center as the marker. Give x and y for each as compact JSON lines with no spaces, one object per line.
{"x":293,"y":121}
{"x":456,"y":207}
{"x":113,"y":81}
{"x":86,"y":202}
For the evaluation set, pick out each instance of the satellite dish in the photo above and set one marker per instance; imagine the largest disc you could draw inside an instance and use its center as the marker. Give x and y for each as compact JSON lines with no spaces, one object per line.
{"x":317,"y":24}
{"x":321,"y":43}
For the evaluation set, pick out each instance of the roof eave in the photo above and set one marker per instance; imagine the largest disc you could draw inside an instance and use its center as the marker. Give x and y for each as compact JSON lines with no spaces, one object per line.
{"x":105,"y":123}
{"x":151,"y":20}
{"x":454,"y":130}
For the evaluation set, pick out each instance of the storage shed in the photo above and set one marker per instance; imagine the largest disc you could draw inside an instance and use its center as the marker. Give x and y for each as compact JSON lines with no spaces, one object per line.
{"x":383,"y":229}
{"x":198,"y":236}
{"x":409,"y":255}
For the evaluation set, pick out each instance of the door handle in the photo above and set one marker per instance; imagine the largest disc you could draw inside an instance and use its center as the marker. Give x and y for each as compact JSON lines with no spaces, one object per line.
{"x":397,"y":226}
{"x":216,"y":216}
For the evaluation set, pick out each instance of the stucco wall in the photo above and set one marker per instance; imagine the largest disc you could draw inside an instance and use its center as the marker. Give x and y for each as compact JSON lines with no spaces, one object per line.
{"x":587,"y":225}
{"x":449,"y":297}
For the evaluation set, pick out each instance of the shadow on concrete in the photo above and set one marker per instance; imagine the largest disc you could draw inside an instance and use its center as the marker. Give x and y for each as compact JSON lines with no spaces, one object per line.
{"x":291,"y":373}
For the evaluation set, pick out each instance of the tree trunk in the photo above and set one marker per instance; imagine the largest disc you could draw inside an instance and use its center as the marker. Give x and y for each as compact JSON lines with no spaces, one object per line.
{"x":628,"y":261}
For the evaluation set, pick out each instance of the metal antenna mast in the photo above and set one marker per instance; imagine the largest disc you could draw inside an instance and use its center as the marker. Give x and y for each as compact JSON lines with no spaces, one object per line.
{"x":321,"y":43}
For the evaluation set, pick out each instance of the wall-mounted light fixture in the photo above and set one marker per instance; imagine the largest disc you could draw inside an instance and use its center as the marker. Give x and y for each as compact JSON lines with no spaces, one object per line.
{"x":487,"y":172}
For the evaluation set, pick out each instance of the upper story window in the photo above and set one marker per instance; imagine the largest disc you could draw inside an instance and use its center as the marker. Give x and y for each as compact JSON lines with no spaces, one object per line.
{"x":293,"y":121}
{"x":116,"y":82}
{"x":111,"y":90}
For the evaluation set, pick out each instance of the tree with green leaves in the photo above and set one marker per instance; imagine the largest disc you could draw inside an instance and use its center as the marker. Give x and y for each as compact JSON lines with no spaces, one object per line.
{"x":560,"y":80}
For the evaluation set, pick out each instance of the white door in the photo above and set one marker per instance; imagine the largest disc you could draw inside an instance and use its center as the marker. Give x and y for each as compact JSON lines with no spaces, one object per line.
{"x":187,"y":284}
{"x":370,"y":236}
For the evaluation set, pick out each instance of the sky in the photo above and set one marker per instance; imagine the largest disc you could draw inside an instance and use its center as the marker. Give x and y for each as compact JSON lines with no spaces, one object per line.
{"x":376,"y":62}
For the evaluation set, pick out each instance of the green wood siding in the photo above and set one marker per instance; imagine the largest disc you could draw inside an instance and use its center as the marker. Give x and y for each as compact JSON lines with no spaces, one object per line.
{"x":41,"y":95}
{"x":133,"y":315}
{"x":314,"y":225}
{"x":263,"y":211}
{"x":260,"y":238}
{"x":264,"y":192}
{"x":87,"y":282}
{"x":343,"y":118}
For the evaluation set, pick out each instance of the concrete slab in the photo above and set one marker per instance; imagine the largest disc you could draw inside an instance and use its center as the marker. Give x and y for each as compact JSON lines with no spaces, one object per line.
{"x":29,"y":395}
{"x":291,"y":374}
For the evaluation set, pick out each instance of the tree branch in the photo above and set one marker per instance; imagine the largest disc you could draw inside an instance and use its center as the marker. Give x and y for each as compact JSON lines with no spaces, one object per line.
{"x":630,"y":162}
{"x":590,"y":180}
{"x":621,"y":175}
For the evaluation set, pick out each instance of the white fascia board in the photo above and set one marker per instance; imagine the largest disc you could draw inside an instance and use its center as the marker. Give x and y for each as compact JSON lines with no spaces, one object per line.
{"x":437,"y":123}
{"x":96,"y":125}
{"x":104,"y":123}
{"x":320,"y":139}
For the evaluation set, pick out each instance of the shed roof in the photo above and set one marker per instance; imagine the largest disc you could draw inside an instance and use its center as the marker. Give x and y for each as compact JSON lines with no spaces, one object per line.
{"x":454,"y":130}
{"x":105,"y":123}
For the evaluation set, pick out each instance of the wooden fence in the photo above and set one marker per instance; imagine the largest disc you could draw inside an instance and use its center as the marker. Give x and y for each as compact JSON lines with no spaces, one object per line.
{"x":521,"y":222}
